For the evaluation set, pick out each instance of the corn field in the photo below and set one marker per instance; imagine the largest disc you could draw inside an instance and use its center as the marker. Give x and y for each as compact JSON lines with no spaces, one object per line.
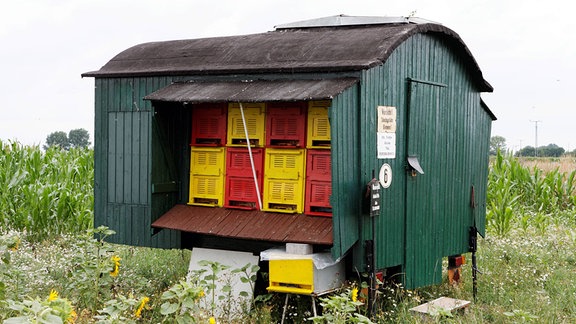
{"x":45,"y":193}
{"x":527,"y":258}
{"x":51,"y":192}
{"x":521,"y":197}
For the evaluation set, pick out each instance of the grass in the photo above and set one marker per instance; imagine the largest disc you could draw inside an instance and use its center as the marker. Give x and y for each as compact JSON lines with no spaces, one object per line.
{"x":47,"y":258}
{"x":526,"y":275}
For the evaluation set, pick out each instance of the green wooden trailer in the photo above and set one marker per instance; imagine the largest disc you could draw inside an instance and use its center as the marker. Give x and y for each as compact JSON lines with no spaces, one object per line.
{"x":395,"y":99}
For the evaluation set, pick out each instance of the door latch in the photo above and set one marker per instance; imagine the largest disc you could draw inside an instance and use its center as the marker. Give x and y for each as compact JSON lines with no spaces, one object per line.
{"x":414,"y":166}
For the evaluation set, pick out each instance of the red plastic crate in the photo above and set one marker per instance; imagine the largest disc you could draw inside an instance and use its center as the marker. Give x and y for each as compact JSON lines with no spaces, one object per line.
{"x":241,"y":193}
{"x":286,"y":124}
{"x":238,"y":161}
{"x":317,"y":201}
{"x":209,"y":124}
{"x":240,"y":188}
{"x":318,"y":165}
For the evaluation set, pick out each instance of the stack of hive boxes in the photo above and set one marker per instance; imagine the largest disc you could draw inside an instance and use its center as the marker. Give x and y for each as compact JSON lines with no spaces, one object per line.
{"x":207,"y":154}
{"x":284,"y":168}
{"x":240,"y":189}
{"x":318,"y":168}
{"x":290,"y":147}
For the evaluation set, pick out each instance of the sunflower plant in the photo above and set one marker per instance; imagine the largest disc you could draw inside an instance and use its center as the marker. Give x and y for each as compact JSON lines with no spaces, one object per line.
{"x":53,"y":309}
{"x":123,"y":310}
{"x":181,"y":303}
{"x":341,"y":308}
{"x":95,"y":270}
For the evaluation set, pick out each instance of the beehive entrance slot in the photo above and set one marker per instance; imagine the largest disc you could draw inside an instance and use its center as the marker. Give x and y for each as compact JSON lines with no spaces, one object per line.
{"x":208,"y":141}
{"x":282,"y":207}
{"x":284,"y":143}
{"x":242,"y":141}
{"x":206,"y":201}
{"x":242,"y":204}
{"x":321,"y":143}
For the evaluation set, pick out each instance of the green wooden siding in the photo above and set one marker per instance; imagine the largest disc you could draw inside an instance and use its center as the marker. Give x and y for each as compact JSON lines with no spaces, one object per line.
{"x":123,"y":129}
{"x":456,"y":137}
{"x":346,"y":188}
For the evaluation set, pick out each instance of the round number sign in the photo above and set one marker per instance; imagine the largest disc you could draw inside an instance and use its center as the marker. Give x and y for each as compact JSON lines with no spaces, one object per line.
{"x":385,"y":175}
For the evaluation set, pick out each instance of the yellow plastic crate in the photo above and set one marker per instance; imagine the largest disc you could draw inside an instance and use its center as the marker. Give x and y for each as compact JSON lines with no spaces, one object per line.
{"x":284,"y":196}
{"x":206,"y":190}
{"x":291,"y":276}
{"x":318,"y":135}
{"x":207,"y":174}
{"x":207,"y":161}
{"x":284,"y":177}
{"x":299,"y":274}
{"x":255,"y":116}
{"x":285,"y":163}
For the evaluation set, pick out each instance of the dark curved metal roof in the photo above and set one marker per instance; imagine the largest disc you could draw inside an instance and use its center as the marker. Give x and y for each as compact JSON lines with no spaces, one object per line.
{"x":321,"y":49}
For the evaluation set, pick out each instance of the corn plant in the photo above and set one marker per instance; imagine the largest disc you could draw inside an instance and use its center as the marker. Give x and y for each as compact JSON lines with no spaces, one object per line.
{"x":45,"y":192}
{"x":521,"y":196}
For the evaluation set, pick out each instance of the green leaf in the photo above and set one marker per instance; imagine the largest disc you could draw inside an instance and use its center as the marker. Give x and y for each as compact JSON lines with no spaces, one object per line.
{"x":169,"y":294}
{"x":17,"y":320}
{"x":168,"y":308}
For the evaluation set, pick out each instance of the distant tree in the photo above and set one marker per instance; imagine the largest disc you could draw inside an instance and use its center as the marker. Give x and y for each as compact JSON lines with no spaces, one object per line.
{"x":75,"y":138}
{"x":79,"y":138}
{"x":551,"y":150}
{"x":497,"y":143}
{"x":526,"y":151}
{"x":58,"y":138}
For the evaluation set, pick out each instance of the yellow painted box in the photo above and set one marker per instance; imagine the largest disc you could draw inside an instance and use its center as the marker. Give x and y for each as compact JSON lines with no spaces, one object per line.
{"x":255,"y":117}
{"x":206,"y":190}
{"x":285,"y":163}
{"x":207,"y":174}
{"x":284,"y":177}
{"x":302,"y":274}
{"x":208,"y":161}
{"x":318,"y":134}
{"x":283,"y":196}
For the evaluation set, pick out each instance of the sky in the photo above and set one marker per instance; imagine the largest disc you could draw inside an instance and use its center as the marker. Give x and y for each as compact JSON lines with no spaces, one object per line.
{"x":525,"y":49}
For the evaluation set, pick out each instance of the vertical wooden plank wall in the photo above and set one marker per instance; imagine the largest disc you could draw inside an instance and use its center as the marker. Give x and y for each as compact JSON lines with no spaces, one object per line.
{"x":122,"y":160}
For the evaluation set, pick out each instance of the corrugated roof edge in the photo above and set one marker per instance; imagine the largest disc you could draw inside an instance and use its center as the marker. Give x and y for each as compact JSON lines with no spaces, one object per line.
{"x":345,"y":20}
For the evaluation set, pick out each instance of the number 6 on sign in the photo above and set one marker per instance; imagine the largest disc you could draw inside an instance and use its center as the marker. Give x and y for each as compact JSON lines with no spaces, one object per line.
{"x":385,"y":175}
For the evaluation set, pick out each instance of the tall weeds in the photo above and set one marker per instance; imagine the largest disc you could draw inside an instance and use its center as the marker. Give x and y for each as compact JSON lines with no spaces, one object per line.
{"x":527,"y":197}
{"x":45,"y":193}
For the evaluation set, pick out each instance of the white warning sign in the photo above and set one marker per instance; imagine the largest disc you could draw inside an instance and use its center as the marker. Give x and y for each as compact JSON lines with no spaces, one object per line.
{"x":386,"y":133}
{"x":386,"y":145}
